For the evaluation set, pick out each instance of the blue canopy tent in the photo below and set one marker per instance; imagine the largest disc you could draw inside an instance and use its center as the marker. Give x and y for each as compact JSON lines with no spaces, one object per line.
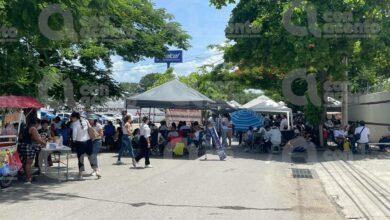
{"x":243,"y":119}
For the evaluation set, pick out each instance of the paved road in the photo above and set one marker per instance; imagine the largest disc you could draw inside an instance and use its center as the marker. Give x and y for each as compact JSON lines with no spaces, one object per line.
{"x":246,"y":186}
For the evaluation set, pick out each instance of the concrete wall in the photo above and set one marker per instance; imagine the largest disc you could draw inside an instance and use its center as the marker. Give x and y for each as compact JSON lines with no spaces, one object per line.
{"x":372,"y":108}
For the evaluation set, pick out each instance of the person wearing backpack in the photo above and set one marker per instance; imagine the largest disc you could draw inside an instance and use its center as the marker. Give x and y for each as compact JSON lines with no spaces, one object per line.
{"x":362,"y":137}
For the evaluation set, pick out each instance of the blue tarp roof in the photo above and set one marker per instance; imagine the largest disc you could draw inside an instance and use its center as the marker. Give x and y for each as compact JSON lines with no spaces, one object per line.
{"x":243,"y":119}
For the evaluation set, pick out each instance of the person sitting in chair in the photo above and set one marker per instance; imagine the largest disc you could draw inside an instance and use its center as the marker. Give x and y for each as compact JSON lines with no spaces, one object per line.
{"x":274,"y":135}
{"x":385,"y":139}
{"x":249,"y":137}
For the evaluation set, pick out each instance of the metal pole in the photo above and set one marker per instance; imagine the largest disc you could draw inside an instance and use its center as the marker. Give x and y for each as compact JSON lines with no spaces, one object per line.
{"x":139,"y":117}
{"x":345,"y":96}
{"x":154,"y":115}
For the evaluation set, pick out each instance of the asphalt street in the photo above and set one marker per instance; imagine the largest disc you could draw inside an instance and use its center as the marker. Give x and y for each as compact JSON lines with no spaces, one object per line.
{"x":245,"y":186}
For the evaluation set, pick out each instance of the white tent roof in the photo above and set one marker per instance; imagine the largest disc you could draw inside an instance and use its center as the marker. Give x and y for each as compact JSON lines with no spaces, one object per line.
{"x":264,"y":103}
{"x":234,"y":104}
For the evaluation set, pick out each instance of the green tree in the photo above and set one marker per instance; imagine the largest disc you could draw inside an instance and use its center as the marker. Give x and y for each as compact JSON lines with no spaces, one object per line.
{"x":148,"y":81}
{"x":152,"y":80}
{"x":132,"y":29}
{"x":219,"y":84}
{"x":130,"y":88}
{"x":267,"y":57}
{"x":165,"y":77}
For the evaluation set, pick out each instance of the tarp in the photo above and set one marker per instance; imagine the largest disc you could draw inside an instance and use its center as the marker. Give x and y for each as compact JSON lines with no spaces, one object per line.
{"x":243,"y":119}
{"x":187,"y":115}
{"x":19,"y":102}
{"x":173,"y":94}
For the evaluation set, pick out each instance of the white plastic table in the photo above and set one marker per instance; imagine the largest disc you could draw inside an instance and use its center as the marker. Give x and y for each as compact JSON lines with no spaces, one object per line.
{"x":44,"y":154}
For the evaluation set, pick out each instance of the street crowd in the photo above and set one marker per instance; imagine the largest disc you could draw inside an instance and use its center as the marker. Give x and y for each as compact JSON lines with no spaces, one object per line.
{"x":86,"y":135}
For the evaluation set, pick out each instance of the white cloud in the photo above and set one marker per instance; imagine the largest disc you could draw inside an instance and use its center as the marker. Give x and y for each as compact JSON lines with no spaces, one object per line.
{"x":127,"y":72}
{"x":212,"y":57}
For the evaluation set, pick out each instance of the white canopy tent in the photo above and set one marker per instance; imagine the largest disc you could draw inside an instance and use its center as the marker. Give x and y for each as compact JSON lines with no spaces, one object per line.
{"x":265,"y":104}
{"x":234,"y":104}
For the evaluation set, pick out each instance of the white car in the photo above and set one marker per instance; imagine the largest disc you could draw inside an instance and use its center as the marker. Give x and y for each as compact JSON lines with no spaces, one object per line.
{"x":111,"y":117}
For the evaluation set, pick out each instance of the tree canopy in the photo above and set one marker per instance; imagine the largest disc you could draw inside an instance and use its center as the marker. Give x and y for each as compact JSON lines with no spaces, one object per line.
{"x":78,"y":41}
{"x":267,"y":55}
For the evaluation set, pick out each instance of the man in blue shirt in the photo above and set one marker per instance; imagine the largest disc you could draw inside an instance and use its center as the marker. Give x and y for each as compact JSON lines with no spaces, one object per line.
{"x":109,"y":132}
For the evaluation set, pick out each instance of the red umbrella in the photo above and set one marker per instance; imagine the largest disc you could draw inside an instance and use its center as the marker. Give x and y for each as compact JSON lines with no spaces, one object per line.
{"x":19,"y":102}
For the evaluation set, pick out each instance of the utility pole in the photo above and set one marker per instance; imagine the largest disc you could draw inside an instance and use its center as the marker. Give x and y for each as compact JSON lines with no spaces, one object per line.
{"x":345,"y":95}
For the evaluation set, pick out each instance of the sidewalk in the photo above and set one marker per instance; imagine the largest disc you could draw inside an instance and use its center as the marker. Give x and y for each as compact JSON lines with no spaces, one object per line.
{"x":359,"y":186}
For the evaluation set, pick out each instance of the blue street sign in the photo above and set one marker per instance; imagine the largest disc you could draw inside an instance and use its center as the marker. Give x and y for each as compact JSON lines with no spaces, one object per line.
{"x":172,"y":56}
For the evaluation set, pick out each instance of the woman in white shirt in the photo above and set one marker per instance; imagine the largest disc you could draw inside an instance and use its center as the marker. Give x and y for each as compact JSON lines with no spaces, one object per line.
{"x":145,"y":143}
{"x":82,"y":143}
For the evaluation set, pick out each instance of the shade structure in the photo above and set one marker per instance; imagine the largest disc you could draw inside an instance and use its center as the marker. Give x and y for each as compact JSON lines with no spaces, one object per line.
{"x":243,"y":119}
{"x":222,"y":106}
{"x":234,"y":104}
{"x":266,"y":105}
{"x":19,"y":102}
{"x":173,"y":94}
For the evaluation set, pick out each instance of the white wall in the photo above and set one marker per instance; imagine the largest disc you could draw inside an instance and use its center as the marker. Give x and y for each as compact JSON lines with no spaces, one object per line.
{"x":372,"y":108}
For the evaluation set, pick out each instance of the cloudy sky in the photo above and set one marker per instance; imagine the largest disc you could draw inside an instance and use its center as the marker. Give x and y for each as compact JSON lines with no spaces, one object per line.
{"x":203,"y":22}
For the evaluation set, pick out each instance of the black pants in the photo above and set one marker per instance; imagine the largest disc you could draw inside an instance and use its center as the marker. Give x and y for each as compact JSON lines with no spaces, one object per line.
{"x":85,"y":147}
{"x":145,"y":151}
{"x":384,"y":140}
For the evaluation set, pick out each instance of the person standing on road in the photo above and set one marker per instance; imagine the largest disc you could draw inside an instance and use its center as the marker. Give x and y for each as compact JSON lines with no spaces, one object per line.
{"x":83,"y":143}
{"x":144,"y":143}
{"x":224,"y":134}
{"x":283,"y":123}
{"x":29,"y":142}
{"x":364,"y":138}
{"x":96,"y":143}
{"x":273,"y":137}
{"x":109,"y":133}
{"x":126,"y":140}
{"x":45,"y":134}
